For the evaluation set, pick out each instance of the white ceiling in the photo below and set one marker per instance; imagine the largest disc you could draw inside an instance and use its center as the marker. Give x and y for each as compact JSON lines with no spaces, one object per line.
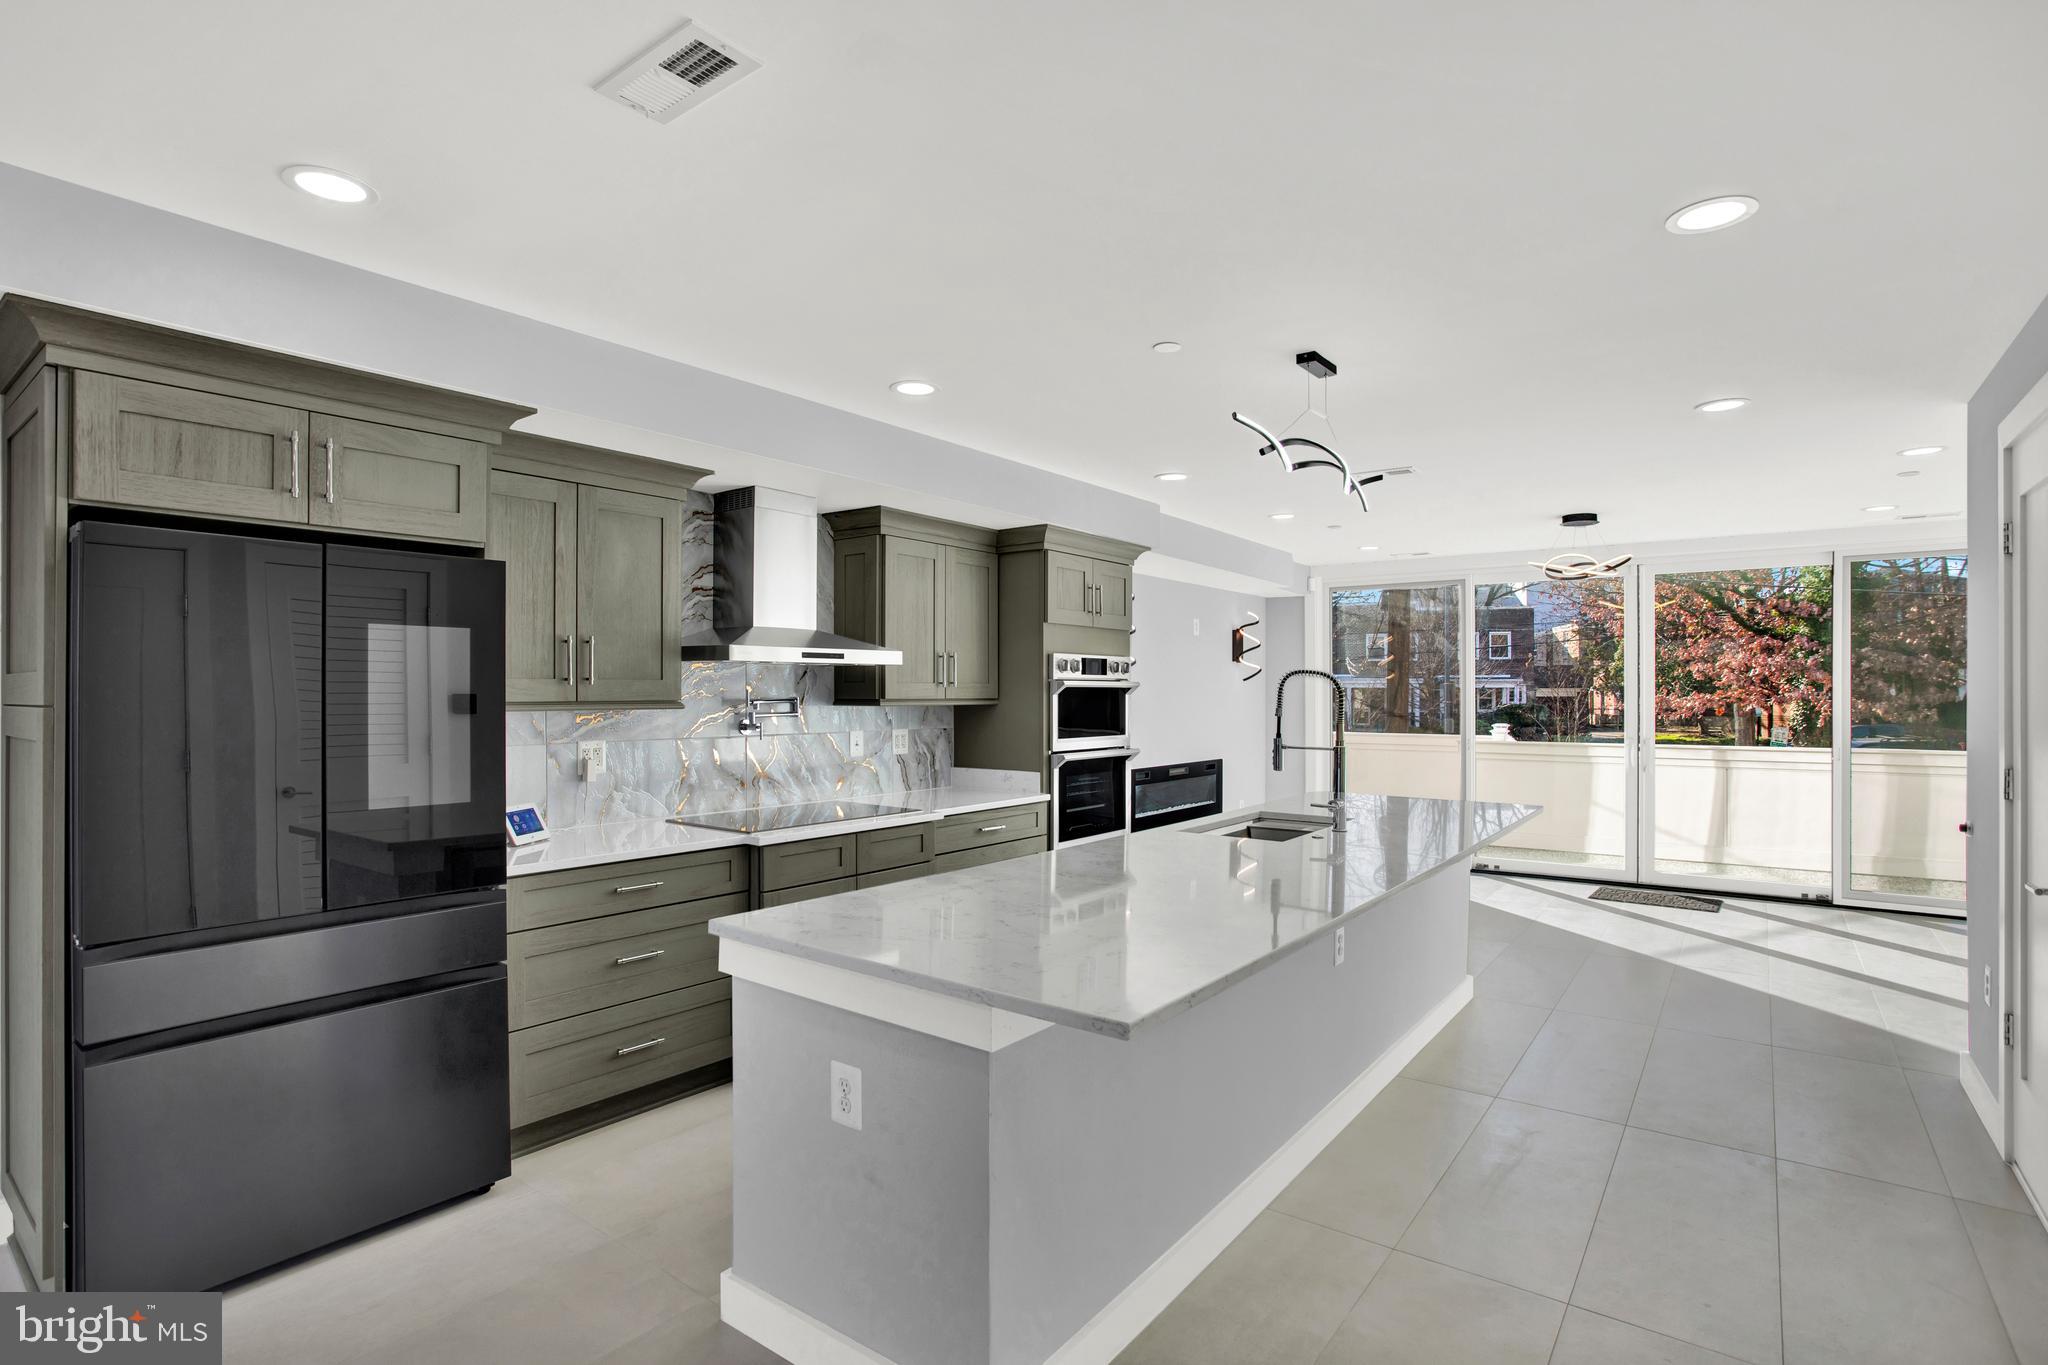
{"x":1460,"y":204}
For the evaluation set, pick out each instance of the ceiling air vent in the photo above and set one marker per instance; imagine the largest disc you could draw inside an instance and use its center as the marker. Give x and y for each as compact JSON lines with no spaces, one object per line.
{"x":677,"y":74}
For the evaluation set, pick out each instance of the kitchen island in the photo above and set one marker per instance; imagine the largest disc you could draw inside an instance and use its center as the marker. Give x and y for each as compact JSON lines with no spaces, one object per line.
{"x":1004,"y":1115}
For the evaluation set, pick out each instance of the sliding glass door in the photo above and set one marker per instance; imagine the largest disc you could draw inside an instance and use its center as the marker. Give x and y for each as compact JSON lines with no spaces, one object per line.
{"x":1901,"y":753}
{"x":1396,"y":652}
{"x":1787,"y":725}
{"x":1549,"y":717}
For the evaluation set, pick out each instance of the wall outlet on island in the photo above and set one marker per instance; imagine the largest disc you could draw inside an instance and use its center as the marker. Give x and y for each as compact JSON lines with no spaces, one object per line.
{"x":590,"y":756}
{"x":899,"y":742}
{"x":856,"y":744}
{"x":1340,"y":945}
{"x":846,"y":1095}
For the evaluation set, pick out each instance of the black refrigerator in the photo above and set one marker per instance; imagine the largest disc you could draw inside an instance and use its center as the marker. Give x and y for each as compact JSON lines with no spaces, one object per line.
{"x":286,"y":911}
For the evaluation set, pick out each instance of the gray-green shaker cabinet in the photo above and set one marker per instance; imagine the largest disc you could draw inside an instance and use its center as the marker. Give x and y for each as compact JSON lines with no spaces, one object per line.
{"x":922,"y":586}
{"x":592,"y":542}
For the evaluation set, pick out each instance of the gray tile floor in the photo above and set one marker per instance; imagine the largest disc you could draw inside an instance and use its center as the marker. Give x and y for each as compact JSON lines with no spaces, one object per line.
{"x":1653,"y":1136}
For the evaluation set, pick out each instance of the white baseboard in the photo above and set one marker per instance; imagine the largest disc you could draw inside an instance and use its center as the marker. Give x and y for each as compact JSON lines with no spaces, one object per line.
{"x":1145,"y":1298}
{"x":791,"y":1333}
{"x":803,"y":1340}
{"x":1989,"y":1112}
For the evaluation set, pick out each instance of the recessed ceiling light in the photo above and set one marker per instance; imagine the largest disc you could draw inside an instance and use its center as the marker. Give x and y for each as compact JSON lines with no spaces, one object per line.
{"x":323,"y":183}
{"x":1367,"y":549}
{"x":1883,"y":507}
{"x":1919,"y":451}
{"x":1721,"y":405}
{"x":1710,"y":215}
{"x":1171,"y":476}
{"x":1166,"y":347}
{"x":1909,"y":473}
{"x":914,"y":388}
{"x":1282,"y":516}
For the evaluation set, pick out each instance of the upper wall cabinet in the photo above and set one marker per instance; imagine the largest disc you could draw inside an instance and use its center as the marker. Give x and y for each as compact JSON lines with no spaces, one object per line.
{"x":174,"y":422}
{"x":1082,"y":590}
{"x":593,"y":547}
{"x":921,"y":586}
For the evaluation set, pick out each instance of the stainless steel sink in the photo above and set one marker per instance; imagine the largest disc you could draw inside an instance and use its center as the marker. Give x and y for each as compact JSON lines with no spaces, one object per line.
{"x":1267,"y":826}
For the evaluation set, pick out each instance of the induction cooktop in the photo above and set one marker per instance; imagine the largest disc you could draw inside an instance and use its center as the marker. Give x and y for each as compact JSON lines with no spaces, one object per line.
{"x":761,"y":819}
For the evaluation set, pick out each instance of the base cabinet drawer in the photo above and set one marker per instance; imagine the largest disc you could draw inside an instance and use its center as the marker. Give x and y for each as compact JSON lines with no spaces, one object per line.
{"x":895,"y":874}
{"x":570,"y":969}
{"x":793,"y":894}
{"x":573,"y":1062}
{"x":987,"y":853}
{"x":585,"y":892}
{"x":805,"y":861}
{"x":878,"y":850}
{"x":978,"y":829}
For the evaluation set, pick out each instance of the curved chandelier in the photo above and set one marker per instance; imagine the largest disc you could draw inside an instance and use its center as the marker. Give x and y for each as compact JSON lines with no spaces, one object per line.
{"x":1321,"y":454}
{"x":1577,"y":563}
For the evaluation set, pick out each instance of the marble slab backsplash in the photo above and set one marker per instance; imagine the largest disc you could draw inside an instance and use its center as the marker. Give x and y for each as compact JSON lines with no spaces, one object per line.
{"x":692,"y":759}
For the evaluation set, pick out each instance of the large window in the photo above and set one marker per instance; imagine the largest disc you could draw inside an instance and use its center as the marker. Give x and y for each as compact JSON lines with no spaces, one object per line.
{"x":1396,"y":652}
{"x":1908,"y":699}
{"x":1548,"y":715}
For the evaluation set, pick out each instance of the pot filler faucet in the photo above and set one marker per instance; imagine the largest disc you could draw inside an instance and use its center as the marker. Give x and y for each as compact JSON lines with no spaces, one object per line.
{"x":1335,"y":805}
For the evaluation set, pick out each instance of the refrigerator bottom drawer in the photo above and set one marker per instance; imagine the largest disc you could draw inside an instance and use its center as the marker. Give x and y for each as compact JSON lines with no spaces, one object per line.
{"x":203,"y":1162}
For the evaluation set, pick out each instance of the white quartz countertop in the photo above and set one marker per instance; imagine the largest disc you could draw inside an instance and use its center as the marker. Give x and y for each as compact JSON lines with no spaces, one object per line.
{"x":624,"y":840}
{"x":1112,"y":935}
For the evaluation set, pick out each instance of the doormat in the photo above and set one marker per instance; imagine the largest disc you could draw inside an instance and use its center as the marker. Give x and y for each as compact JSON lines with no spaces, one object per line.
{"x":1663,"y":899}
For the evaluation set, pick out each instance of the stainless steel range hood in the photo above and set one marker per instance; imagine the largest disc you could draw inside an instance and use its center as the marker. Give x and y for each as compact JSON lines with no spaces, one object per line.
{"x":764,"y":604}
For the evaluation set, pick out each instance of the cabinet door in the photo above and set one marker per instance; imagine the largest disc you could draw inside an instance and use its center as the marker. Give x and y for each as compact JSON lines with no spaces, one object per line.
{"x":153,"y":445}
{"x":1112,"y":583}
{"x":33,"y":1174}
{"x":914,"y":619}
{"x":629,"y":597}
{"x":971,"y":624}
{"x":1070,"y":589}
{"x":533,"y":530}
{"x":34,"y":536}
{"x":366,"y":476}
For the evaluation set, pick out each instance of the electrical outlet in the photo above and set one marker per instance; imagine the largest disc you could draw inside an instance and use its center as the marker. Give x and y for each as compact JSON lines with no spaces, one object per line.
{"x":856,"y":744}
{"x":590,"y":754}
{"x":901,"y":742}
{"x":846,"y":1095}
{"x":1340,"y":945}
{"x":1198,"y":625}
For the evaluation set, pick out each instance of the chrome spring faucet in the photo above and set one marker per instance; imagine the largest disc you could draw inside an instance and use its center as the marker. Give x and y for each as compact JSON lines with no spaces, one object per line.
{"x":1335,"y":805}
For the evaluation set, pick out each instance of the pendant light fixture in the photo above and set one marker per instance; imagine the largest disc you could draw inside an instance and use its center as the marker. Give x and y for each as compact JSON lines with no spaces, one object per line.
{"x":1299,"y":449}
{"x":1576,"y":557}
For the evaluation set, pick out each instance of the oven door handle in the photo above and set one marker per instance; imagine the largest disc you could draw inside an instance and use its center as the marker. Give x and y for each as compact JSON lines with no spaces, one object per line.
{"x":1060,"y":685}
{"x":1061,"y":758}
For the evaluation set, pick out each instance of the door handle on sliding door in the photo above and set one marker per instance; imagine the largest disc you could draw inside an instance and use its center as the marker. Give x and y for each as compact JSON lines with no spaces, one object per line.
{"x":2033,"y":890}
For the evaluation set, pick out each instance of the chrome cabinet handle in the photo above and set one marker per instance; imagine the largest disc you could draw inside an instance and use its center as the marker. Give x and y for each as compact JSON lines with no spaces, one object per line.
{"x":330,"y":471}
{"x":590,"y":660}
{"x":637,"y":957}
{"x":295,"y":463}
{"x":568,"y":667}
{"x":636,"y":886}
{"x":990,"y":829}
{"x":639,"y":1047}
{"x":952,"y":668}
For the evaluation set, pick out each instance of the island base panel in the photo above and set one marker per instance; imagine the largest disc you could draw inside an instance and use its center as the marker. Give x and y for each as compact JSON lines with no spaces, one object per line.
{"x":1042,"y":1202}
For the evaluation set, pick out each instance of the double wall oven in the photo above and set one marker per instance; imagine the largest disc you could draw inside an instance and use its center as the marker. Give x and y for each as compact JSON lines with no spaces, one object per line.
{"x":287,"y":913}
{"x":1091,"y":748}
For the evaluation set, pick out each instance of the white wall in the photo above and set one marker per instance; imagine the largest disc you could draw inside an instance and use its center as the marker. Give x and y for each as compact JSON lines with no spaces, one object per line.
{"x":1192,"y":702}
{"x":2023,"y":366}
{"x":1285,"y":647}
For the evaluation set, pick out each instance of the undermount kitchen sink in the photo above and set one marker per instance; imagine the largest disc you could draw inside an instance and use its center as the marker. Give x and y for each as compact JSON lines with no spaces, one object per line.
{"x":1266,"y":826}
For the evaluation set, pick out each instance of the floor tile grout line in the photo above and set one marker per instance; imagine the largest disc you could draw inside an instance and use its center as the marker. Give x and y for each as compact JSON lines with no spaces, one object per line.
{"x":1940,"y":1166}
{"x":1978,"y":1256}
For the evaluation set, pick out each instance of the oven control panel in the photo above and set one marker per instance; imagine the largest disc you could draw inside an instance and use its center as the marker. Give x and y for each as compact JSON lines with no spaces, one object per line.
{"x":1091,"y":666}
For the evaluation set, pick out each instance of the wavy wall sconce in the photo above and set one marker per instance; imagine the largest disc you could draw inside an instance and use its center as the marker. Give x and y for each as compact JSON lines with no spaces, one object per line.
{"x":1243,"y":642}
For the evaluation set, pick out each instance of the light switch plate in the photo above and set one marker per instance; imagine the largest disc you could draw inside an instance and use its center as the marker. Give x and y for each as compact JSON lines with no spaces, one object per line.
{"x":901,"y":742}
{"x":856,"y":744}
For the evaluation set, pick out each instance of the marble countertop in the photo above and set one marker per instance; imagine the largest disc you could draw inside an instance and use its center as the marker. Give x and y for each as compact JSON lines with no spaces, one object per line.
{"x":1112,"y":935}
{"x":624,"y":840}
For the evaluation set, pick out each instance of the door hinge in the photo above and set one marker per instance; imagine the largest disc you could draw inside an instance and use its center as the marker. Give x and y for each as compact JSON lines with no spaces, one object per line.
{"x":2008,"y":1028}
{"x":2008,"y":784}
{"x":2008,"y":537}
